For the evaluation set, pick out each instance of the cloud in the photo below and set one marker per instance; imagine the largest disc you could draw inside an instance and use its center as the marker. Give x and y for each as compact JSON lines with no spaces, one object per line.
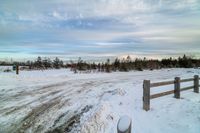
{"x":109,"y":27}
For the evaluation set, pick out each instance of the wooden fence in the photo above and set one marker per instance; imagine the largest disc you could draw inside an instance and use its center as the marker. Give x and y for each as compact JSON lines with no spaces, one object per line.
{"x":147,"y":85}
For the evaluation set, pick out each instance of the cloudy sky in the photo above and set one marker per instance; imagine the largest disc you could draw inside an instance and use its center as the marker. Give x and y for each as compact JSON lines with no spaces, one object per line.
{"x":99,"y":28}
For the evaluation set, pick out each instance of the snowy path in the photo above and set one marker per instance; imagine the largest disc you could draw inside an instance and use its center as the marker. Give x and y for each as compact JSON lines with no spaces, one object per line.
{"x":58,"y":100}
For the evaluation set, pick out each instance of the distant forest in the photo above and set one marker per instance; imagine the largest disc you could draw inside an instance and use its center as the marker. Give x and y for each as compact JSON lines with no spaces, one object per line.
{"x":124,"y":65}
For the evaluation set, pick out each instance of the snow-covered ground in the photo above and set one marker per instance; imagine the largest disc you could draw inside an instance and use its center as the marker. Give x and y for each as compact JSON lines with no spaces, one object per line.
{"x":60,"y":101}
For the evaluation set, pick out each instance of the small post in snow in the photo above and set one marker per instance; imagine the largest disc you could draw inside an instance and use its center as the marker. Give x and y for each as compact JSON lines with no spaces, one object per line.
{"x":124,"y":125}
{"x":146,"y":95}
{"x":196,"y":83}
{"x":17,"y":69}
{"x":177,"y":87}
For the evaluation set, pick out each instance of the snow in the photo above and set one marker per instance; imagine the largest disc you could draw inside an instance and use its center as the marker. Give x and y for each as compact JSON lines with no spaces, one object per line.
{"x":50,"y":100}
{"x":124,"y":123}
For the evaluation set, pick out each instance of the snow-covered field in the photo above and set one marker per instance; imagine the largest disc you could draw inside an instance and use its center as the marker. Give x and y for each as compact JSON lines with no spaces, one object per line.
{"x":60,"y":101}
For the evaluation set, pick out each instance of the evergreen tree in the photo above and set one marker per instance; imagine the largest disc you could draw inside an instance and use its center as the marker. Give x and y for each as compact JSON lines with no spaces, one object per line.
{"x":107,"y":66}
{"x":57,"y":63}
{"x":38,"y":63}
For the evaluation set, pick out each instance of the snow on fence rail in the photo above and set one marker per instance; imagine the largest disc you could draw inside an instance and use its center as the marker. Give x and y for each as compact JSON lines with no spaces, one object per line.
{"x":177,"y":89}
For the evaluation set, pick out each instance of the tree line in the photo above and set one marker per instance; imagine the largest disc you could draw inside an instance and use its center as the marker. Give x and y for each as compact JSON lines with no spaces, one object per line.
{"x":39,"y":63}
{"x":124,"y":65}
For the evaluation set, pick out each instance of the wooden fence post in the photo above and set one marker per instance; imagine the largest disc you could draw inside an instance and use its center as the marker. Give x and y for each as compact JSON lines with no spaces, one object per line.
{"x":177,"y":87}
{"x":196,"y":83}
{"x":124,"y":125}
{"x":17,"y":69}
{"x":146,"y":95}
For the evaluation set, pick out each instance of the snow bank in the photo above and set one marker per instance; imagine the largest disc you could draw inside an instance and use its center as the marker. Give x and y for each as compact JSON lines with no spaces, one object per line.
{"x":99,"y":121}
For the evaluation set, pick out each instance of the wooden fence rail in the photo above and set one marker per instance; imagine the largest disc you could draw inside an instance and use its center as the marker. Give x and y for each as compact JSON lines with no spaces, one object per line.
{"x":147,"y":85}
